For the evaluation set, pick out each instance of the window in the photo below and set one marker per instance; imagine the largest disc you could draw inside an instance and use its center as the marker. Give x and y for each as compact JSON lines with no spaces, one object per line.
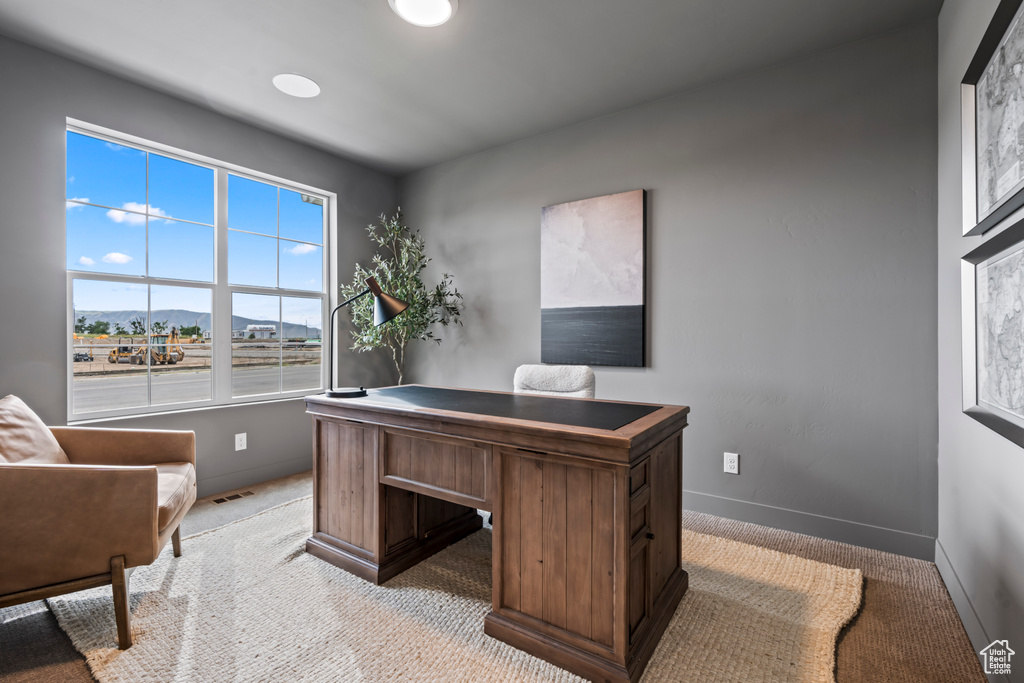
{"x":190,"y":282}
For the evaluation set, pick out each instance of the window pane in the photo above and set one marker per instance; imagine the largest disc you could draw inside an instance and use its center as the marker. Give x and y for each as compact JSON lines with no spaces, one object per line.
{"x":189,"y":380}
{"x":180,"y":189}
{"x":105,"y":240}
{"x":255,"y":344}
{"x":183,"y":308}
{"x":252,"y":206}
{"x":181,"y":370}
{"x":104,"y":384}
{"x":108,"y":363}
{"x":302,"y":266}
{"x":181,"y":251}
{"x":252,"y":259}
{"x":301,"y":350}
{"x":302,"y":217}
{"x":101,"y":172}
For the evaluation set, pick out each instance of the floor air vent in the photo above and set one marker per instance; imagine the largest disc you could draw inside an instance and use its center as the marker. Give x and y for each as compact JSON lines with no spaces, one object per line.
{"x":233,"y":496}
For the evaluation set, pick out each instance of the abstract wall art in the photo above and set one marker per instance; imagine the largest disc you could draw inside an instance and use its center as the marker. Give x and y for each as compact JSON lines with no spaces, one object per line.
{"x":592,"y":291}
{"x":993,"y":333}
{"x":992,"y":120}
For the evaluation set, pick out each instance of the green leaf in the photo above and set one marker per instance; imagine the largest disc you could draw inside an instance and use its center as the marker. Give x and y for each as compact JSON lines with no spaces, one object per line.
{"x":397,"y":267}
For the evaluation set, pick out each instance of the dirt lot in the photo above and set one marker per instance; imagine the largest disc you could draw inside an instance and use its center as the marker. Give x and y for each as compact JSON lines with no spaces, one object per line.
{"x":197,"y":356}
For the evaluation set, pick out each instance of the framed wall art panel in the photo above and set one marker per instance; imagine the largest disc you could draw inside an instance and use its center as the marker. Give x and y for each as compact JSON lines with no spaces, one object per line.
{"x":992,"y":119}
{"x":992,"y":286}
{"x":592,"y":291}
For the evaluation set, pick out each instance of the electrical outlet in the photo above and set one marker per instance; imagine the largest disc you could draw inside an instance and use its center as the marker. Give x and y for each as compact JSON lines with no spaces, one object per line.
{"x":240,"y":442}
{"x":732,"y":463}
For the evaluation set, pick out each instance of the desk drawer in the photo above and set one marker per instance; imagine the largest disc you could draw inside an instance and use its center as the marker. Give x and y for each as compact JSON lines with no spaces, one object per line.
{"x":640,"y":513}
{"x":638,"y":476}
{"x":455,"y":470}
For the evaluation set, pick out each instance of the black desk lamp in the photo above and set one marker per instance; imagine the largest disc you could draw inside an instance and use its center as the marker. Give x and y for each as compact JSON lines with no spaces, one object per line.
{"x":385,"y":307}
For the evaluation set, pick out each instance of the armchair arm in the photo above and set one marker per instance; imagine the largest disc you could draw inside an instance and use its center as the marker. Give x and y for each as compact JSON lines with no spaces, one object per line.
{"x":94,"y":446}
{"x":64,"y":522}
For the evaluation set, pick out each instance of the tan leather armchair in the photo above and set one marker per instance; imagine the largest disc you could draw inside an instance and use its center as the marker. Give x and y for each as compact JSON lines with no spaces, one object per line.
{"x":68,"y":527}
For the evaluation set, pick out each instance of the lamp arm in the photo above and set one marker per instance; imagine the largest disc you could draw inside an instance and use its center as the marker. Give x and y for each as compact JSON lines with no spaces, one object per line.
{"x":330,"y":349}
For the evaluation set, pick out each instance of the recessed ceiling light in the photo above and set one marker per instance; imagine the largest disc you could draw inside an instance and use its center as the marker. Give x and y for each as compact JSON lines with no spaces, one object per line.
{"x":296,"y":85}
{"x":425,"y":12}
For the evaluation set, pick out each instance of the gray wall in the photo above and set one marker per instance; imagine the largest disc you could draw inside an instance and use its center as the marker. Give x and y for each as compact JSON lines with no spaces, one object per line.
{"x":39,"y":91}
{"x":791,"y":280}
{"x":980,"y":549}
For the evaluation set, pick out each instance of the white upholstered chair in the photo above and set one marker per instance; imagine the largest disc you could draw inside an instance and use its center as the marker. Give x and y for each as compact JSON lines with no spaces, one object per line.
{"x":555,"y":380}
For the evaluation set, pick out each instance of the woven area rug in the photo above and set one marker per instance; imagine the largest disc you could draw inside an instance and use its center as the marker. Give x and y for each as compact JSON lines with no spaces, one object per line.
{"x":246,"y":603}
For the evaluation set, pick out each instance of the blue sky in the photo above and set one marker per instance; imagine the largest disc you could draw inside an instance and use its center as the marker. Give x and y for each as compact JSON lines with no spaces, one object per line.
{"x":96,"y":295}
{"x":254,"y":259}
{"x":263,"y":307}
{"x":109,"y":214}
{"x":253,"y":207}
{"x":110,"y":237}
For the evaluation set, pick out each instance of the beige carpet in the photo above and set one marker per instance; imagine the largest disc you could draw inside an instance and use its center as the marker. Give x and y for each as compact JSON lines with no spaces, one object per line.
{"x":246,"y":603}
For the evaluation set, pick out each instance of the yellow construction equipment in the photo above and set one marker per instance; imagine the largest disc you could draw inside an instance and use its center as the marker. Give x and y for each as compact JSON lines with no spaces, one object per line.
{"x":122,"y":353}
{"x":163,"y":349}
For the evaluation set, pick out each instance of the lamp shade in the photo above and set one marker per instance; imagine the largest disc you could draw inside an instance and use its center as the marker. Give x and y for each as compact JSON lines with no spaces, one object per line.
{"x":385,"y":306}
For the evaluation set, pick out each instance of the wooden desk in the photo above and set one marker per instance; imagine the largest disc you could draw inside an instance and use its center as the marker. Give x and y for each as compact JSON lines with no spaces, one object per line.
{"x":587,"y":521}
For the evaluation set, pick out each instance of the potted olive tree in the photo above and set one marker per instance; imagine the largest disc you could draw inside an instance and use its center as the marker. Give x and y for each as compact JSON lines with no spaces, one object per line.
{"x":397,"y":267}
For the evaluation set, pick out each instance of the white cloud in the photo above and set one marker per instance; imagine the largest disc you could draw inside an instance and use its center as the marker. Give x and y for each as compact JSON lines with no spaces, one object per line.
{"x":300,"y":249}
{"x":70,"y":204}
{"x":71,"y":178}
{"x":117,"y":257}
{"x":122,"y":216}
{"x":86,"y":261}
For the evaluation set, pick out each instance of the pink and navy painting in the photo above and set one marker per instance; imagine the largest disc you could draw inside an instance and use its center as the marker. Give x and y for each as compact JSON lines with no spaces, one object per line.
{"x":592,"y":280}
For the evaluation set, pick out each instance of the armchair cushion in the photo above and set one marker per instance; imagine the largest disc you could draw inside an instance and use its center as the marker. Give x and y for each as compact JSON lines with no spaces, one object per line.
{"x":176,"y":489}
{"x":24,"y":438}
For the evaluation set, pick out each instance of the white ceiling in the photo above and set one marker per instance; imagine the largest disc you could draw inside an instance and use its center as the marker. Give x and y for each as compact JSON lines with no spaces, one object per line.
{"x":398,"y":97}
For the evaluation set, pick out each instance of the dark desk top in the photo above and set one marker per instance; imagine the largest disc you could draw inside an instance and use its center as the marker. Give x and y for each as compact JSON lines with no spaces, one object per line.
{"x":562,"y":411}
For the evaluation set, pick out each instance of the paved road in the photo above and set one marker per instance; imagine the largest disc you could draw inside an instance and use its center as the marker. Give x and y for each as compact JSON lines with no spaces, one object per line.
{"x":92,"y":394}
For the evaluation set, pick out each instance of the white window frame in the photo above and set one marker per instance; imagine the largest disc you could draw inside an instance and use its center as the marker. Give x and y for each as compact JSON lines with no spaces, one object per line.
{"x":220,"y":313}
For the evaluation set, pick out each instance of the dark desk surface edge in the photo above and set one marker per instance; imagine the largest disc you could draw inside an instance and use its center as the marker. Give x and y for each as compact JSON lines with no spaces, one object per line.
{"x":598,"y":415}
